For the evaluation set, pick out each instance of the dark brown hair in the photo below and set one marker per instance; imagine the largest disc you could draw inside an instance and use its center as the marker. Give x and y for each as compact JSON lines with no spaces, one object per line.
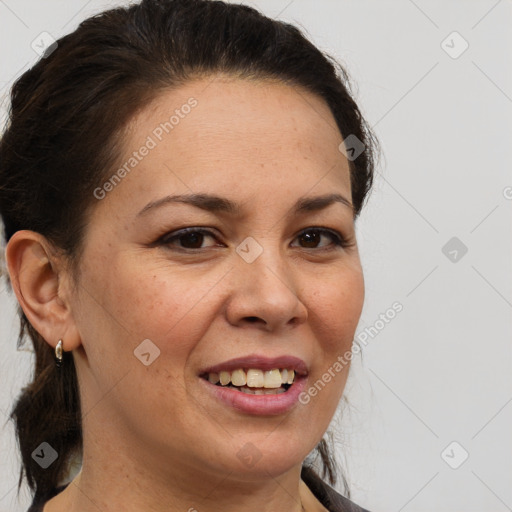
{"x":63,"y":138}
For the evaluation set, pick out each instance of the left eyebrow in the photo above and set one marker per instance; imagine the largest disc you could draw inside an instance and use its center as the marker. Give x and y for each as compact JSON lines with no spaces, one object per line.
{"x":214,"y":203}
{"x":313,"y":204}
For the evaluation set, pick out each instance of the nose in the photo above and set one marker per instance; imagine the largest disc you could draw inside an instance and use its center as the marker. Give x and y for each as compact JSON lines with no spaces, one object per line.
{"x":265,"y":294}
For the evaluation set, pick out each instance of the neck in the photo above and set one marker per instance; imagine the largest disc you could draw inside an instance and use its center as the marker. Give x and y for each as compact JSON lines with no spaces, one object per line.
{"x":139,"y":483}
{"x":85,"y":494}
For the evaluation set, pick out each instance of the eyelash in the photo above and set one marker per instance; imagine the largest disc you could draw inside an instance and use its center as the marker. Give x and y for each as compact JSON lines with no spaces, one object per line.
{"x":338,"y":240}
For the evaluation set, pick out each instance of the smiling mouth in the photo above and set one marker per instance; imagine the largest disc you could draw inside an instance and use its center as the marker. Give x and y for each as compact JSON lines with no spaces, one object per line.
{"x":254,"y":381}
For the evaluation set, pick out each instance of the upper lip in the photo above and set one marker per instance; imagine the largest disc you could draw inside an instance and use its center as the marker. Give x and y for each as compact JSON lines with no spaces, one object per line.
{"x":260,"y":362}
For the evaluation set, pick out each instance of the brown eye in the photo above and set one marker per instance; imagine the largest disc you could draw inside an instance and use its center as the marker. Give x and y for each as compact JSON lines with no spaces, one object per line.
{"x":192,"y":238}
{"x":311,"y":239}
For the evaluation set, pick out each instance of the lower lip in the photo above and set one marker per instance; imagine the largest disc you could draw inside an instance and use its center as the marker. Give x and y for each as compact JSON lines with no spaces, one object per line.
{"x":262,"y":405}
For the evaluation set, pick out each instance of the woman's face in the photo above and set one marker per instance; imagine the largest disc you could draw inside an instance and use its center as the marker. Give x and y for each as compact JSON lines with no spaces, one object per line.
{"x":258,"y":282}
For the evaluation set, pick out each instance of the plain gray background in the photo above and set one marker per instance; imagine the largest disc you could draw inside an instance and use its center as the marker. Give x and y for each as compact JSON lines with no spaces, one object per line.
{"x":434,"y":385}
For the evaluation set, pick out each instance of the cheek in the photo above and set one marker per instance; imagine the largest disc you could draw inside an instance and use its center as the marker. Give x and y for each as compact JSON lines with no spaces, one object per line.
{"x":133,"y":301}
{"x":335,"y":310}
{"x":163,"y":305}
{"x":334,"y":314}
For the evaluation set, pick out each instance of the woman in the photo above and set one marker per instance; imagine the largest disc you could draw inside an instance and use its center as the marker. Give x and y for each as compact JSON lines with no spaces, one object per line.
{"x":179,"y":185}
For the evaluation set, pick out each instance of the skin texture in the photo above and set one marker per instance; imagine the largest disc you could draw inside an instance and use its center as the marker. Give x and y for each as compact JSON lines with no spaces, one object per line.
{"x":153,"y":439}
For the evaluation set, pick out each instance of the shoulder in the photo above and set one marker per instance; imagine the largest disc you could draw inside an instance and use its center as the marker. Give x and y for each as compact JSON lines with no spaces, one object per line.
{"x":330,"y":499}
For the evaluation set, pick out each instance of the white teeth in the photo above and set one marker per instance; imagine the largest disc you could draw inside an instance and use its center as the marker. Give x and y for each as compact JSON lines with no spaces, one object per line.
{"x":272,"y":379}
{"x":238,"y":378}
{"x":213,"y":378}
{"x":254,"y":378}
{"x":225,"y":378}
{"x":260,"y":391}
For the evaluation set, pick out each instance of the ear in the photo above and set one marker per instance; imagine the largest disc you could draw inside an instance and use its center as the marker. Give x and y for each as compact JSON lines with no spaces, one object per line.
{"x":42,"y":286}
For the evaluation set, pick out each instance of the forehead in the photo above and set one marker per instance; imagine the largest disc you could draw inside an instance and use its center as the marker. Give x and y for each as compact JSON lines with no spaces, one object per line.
{"x":235,"y":136}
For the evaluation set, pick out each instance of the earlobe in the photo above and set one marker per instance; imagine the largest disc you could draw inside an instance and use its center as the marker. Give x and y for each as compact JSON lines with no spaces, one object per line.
{"x":39,"y":281}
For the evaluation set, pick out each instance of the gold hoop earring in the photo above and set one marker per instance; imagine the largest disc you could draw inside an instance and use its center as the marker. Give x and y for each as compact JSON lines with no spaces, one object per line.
{"x":58,"y":354}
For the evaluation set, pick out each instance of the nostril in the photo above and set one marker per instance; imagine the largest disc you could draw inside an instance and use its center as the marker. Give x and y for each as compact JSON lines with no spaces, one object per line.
{"x":252,"y":319}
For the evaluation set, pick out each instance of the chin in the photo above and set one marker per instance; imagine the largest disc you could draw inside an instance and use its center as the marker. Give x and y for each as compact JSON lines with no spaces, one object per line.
{"x":264,"y":456}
